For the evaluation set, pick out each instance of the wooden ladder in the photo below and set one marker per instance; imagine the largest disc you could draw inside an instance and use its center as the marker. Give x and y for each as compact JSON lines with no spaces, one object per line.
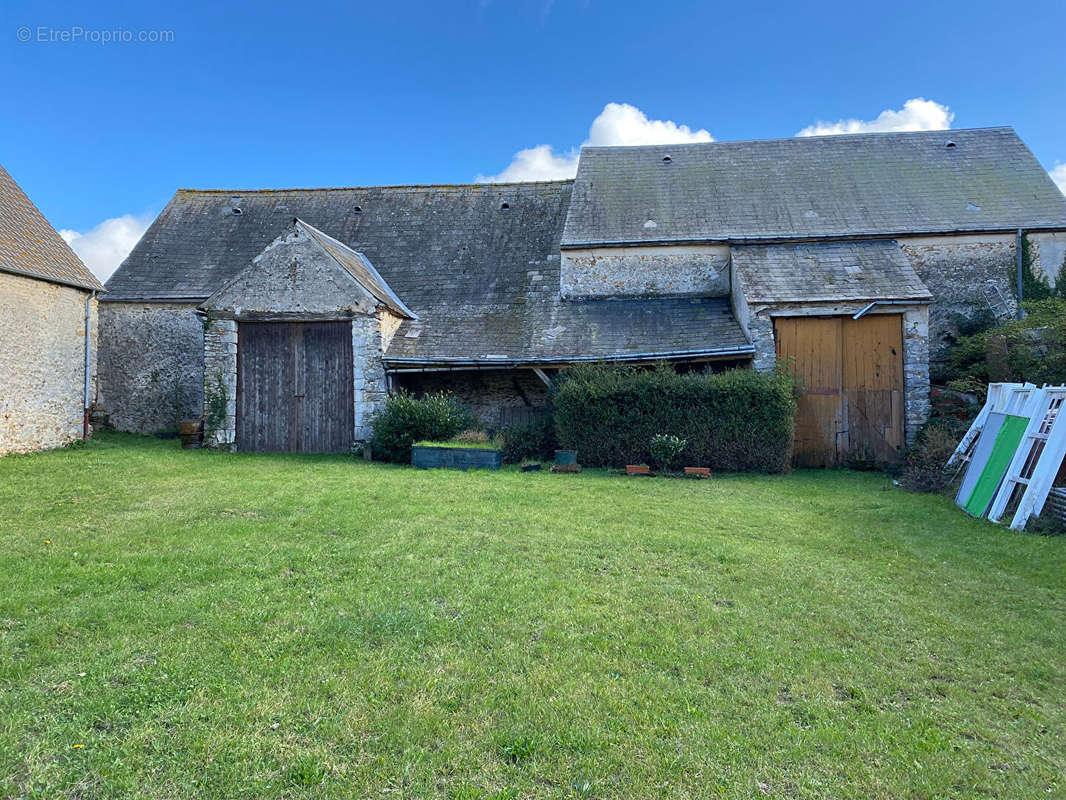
{"x":1036,"y":461}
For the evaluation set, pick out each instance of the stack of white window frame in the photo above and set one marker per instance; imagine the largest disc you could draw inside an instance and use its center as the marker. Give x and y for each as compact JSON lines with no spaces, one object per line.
{"x":1040,"y":454}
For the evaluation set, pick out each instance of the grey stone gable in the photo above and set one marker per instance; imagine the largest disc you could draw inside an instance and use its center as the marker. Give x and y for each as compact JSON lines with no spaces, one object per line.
{"x":359,"y":267}
{"x":30,"y":246}
{"x":876,"y":184}
{"x":825,"y":271}
{"x":297,"y":273}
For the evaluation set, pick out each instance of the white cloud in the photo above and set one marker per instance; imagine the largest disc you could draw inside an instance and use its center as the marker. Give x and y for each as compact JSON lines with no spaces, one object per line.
{"x":104,"y":247}
{"x":618,"y":124}
{"x":1058,"y":174}
{"x":535,"y":164}
{"x":917,"y":114}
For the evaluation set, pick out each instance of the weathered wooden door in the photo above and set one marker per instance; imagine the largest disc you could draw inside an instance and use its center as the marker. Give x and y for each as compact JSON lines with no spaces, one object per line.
{"x":852,"y":371}
{"x":294,"y":387}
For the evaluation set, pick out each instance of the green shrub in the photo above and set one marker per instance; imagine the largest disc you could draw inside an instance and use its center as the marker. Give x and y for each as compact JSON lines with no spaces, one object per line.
{"x":733,"y":421}
{"x":665,"y":450}
{"x":1031,"y":349}
{"x":406,"y":419}
{"x":534,"y":441}
{"x":925,"y":467}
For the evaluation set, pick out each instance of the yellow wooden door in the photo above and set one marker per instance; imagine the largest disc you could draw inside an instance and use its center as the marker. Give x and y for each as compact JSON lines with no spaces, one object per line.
{"x":812,"y":346}
{"x":852,"y":375}
{"x":873,"y":387}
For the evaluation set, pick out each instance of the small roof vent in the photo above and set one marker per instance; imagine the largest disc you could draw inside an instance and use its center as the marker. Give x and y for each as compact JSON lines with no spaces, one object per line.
{"x":950,"y":145}
{"x":973,"y":207}
{"x":237,"y":211}
{"x":505,"y":206}
{"x":667,"y":159}
{"x":358,"y":209}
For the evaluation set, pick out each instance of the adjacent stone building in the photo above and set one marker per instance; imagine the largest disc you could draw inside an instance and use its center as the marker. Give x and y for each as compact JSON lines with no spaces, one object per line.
{"x":47,"y":354}
{"x":852,"y":257}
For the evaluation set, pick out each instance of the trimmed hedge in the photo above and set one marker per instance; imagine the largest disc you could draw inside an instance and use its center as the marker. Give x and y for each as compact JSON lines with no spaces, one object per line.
{"x":734,"y":421}
{"x":533,"y":441}
{"x":405,"y":420}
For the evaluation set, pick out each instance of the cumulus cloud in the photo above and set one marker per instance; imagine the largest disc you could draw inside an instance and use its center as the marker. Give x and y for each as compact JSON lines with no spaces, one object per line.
{"x":104,"y":247}
{"x":618,"y":124}
{"x":1058,"y":174}
{"x":917,"y":114}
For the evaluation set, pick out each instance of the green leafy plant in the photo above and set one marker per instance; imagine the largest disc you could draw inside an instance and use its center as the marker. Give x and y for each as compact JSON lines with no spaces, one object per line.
{"x":406,"y":419}
{"x":531,"y":442}
{"x":924,"y":469}
{"x":732,"y":421}
{"x":1030,"y":349}
{"x":665,"y":449}
{"x":216,"y":403}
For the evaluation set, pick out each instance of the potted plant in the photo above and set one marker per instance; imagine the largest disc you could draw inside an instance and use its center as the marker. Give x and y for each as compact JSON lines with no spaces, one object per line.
{"x":664,"y":450}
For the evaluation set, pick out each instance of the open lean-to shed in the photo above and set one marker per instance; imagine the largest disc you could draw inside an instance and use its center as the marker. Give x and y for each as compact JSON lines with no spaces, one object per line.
{"x":285,"y":317}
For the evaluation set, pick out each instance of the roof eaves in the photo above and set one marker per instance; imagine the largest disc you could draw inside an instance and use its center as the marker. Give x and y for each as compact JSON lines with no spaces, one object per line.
{"x":90,"y":286}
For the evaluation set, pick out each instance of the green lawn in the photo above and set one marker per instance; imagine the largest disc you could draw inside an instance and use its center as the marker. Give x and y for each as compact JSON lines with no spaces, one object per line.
{"x":187,"y":624}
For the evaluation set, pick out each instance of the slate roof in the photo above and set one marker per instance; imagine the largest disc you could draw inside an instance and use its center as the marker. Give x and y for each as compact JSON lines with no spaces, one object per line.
{"x":482,"y":278}
{"x":859,"y":185}
{"x":30,"y":246}
{"x":848,"y":270}
{"x":557,"y":331}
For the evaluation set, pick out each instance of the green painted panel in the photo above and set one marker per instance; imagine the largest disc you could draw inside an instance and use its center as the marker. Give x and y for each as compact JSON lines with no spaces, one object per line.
{"x":1007,"y":440}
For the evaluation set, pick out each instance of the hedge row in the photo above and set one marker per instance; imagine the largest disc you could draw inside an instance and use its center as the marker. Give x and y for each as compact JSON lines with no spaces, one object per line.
{"x":733,"y":421}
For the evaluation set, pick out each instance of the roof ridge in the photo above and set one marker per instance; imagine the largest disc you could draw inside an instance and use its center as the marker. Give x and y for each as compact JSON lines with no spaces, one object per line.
{"x":190,"y":190}
{"x":856,"y":134}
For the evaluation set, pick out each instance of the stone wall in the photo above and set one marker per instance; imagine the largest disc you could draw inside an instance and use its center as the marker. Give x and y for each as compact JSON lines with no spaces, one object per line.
{"x":371,"y":387}
{"x":963,"y":273}
{"x":491,"y":394}
{"x":151,"y":365}
{"x":42,"y":363}
{"x":640,"y":271}
{"x":220,"y":384}
{"x":1047,"y":252}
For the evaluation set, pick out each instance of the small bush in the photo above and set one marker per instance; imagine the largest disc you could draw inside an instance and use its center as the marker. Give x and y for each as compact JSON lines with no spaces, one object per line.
{"x":733,"y":421}
{"x":406,"y":419}
{"x":1030,"y":349}
{"x":535,"y":441}
{"x":925,"y":467}
{"x":665,"y":450}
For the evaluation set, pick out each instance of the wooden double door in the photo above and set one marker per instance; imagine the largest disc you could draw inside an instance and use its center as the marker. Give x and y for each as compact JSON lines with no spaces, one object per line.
{"x":294,"y":387}
{"x":852,"y":375}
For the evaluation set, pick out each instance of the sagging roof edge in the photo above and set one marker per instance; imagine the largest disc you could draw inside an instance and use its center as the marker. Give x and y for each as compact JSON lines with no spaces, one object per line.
{"x":426,"y":364}
{"x":85,"y":287}
{"x":828,"y":237}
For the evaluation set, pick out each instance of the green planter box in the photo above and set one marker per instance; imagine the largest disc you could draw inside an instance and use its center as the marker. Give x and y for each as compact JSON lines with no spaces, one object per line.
{"x":455,"y":458}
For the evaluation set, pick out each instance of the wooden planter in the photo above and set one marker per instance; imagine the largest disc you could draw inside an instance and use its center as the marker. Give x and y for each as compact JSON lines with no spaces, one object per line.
{"x":191,"y":432}
{"x":463,"y":458}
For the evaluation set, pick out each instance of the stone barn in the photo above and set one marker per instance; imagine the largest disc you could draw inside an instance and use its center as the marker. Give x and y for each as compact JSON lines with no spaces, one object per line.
{"x":285,"y":317}
{"x":47,"y":329}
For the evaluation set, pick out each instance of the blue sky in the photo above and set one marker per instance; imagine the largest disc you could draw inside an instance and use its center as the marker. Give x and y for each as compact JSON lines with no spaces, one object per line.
{"x":272,"y":94}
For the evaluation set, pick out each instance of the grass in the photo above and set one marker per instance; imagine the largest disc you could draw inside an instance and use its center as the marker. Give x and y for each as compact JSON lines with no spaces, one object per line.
{"x":187,"y":624}
{"x":465,"y":444}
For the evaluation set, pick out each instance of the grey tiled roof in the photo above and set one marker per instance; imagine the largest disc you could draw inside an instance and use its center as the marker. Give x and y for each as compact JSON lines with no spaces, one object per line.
{"x":827,"y":186}
{"x":30,"y":246}
{"x":482,"y":279}
{"x":551,"y":330}
{"x":862,"y":270}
